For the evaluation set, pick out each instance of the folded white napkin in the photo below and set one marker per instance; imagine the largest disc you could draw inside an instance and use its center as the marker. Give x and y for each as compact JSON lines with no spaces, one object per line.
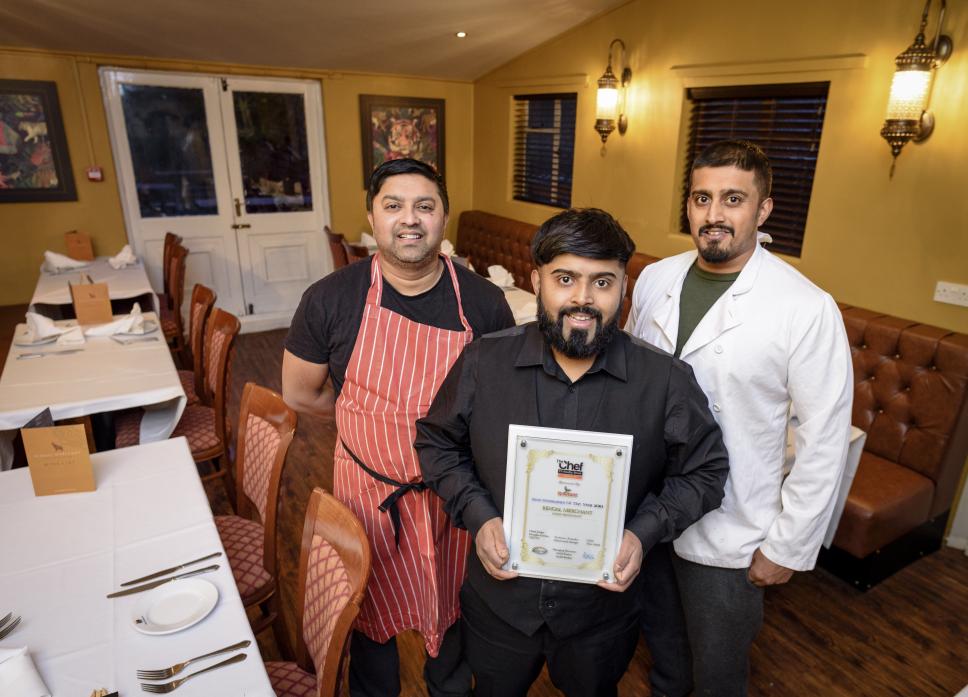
{"x":367,"y":240}
{"x":123,"y":258}
{"x":54,"y":262}
{"x":500,"y":276}
{"x":129,"y":324}
{"x":18,"y":675}
{"x":447,"y":248}
{"x":40,"y":327}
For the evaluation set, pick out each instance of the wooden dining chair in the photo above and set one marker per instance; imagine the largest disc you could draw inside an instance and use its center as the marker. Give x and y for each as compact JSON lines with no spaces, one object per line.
{"x":164,"y":300}
{"x":266,"y":428}
{"x":355,"y":252}
{"x":203,"y":299}
{"x":171,"y":320}
{"x":336,"y":248}
{"x":334,"y":567}
{"x":203,"y":424}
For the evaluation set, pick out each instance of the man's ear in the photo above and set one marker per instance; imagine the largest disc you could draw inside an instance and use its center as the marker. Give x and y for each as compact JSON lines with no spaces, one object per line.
{"x":766,"y":207}
{"x":369,"y":217}
{"x":536,"y":281}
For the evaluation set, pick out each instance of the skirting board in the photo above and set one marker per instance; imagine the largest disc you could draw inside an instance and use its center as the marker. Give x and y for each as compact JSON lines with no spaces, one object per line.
{"x":266,"y":322}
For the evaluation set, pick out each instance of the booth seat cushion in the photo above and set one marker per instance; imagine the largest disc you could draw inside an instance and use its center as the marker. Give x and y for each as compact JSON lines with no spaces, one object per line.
{"x":886,"y":501}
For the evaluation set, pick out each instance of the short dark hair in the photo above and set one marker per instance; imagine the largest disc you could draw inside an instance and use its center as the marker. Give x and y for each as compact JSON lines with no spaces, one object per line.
{"x":584,"y":232}
{"x":743,"y":154}
{"x":392,"y":168}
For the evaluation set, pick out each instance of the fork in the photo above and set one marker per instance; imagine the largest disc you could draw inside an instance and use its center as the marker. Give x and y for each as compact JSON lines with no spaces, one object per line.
{"x":165,"y":687}
{"x":165,"y":673}
{"x":5,"y":630}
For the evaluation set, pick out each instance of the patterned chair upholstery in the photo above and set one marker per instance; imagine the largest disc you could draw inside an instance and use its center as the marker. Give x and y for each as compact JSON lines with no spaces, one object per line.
{"x":203,"y":299}
{"x":266,"y":428}
{"x":203,"y":424}
{"x":334,"y":566}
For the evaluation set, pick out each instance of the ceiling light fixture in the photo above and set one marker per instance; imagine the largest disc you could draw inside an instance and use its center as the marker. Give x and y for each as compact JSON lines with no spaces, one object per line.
{"x":461,"y":34}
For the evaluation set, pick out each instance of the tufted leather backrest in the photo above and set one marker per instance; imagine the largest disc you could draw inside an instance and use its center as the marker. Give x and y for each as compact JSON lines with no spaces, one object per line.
{"x":488,"y":239}
{"x":910,"y":389}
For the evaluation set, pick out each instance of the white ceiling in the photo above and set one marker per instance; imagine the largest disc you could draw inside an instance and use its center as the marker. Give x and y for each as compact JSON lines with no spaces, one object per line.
{"x":409,"y":37}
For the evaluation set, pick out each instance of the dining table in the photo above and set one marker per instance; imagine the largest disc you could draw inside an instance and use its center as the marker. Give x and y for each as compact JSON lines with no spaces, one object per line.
{"x":52,"y":294}
{"x":63,"y":554}
{"x":103,"y":374}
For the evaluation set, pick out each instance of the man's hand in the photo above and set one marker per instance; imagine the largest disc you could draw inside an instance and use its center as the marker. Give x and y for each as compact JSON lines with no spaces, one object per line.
{"x":492,"y":550}
{"x":764,"y":572}
{"x":628,"y":561}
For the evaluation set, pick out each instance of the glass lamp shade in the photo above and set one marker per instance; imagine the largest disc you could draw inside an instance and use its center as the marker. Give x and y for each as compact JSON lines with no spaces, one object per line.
{"x":909,"y":95}
{"x":607,"y":106}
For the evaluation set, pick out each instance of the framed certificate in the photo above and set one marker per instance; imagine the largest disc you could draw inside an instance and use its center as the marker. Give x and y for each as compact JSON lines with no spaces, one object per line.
{"x":564,"y":502}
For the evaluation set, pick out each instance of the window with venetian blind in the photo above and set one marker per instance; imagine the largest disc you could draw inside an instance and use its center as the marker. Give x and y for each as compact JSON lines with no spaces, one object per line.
{"x":786,"y":120}
{"x":544,"y":148}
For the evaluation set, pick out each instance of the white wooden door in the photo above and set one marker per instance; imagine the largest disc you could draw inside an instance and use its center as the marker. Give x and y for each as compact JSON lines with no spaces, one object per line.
{"x":236,"y":168}
{"x":273,"y":132}
{"x":166,"y":131}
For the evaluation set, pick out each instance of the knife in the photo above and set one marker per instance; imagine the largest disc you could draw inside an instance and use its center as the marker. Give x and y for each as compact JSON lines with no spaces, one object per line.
{"x":155,"y":584}
{"x":41,"y":354}
{"x":171,"y":570}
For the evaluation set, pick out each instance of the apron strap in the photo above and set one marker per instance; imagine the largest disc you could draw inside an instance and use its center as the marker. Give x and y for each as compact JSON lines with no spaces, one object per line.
{"x":390,"y":502}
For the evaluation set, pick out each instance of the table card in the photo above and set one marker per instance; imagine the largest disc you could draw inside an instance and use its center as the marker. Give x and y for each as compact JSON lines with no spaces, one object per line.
{"x":564,"y":502}
{"x":58,"y":459}
{"x":79,"y":246}
{"x":92,"y":304}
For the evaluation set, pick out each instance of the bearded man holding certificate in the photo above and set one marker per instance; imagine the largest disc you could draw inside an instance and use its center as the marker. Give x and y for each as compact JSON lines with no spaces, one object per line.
{"x":576,"y":371}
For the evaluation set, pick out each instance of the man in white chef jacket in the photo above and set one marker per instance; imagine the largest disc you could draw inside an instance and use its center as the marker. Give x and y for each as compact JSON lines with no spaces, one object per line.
{"x":764,"y":342}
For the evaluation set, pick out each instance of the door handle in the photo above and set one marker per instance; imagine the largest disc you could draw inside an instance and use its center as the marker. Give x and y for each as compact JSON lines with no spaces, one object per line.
{"x":241,"y":226}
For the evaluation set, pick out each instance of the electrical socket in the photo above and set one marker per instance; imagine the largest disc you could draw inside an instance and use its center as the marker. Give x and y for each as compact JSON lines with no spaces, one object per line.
{"x":951,"y":293}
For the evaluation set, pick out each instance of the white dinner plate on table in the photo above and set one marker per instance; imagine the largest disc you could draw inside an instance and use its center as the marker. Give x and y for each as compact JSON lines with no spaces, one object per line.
{"x":149,"y":326}
{"x":22,"y":340}
{"x":175,"y":606}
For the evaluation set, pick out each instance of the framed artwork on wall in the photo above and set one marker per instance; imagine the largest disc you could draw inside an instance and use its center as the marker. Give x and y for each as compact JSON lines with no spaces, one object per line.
{"x":34,"y":162}
{"x":397,"y":127}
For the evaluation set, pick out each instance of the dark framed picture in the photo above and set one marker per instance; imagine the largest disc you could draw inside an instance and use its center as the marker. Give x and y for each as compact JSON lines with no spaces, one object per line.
{"x":397,"y":127}
{"x":34,"y":162}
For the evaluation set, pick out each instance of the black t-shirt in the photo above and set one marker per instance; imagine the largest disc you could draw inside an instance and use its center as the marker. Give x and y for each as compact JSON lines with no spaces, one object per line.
{"x":328,"y":318}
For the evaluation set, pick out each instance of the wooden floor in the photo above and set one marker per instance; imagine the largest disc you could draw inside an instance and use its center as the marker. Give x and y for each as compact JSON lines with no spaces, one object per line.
{"x":908,"y":636}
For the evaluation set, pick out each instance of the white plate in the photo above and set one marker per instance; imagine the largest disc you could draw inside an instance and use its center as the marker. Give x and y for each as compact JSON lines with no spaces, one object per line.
{"x":22,"y":340}
{"x":150,"y":325}
{"x":175,"y":606}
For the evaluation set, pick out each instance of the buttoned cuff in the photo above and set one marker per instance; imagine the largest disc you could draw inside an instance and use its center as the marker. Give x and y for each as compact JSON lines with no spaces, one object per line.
{"x":803,"y":559}
{"x":648,"y":528}
{"x":477,"y":512}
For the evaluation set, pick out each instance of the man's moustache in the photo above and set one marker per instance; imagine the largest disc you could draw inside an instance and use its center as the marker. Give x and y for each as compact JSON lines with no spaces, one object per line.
{"x":590,"y":311}
{"x":724,"y":228}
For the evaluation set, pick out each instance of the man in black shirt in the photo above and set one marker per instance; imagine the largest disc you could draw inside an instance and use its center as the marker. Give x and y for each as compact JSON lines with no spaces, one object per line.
{"x":572,"y":369}
{"x":373,"y":342}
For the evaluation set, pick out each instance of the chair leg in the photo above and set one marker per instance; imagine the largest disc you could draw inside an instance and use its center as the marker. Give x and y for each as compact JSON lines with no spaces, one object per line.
{"x":279,"y":629}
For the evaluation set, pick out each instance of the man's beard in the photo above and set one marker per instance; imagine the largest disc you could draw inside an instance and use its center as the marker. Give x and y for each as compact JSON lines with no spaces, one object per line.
{"x":716,"y":252}
{"x":577,"y":344}
{"x":426,"y":257}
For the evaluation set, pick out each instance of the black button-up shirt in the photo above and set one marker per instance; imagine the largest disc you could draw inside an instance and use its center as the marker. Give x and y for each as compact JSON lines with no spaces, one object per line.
{"x":678,"y":465}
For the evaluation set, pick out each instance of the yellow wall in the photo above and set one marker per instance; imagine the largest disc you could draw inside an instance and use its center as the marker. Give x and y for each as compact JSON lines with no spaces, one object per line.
{"x":871,"y":241}
{"x":27,"y":229}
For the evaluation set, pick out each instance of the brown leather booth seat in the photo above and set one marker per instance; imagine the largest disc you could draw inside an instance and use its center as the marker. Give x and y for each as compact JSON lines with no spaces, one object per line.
{"x":910,"y":397}
{"x":488,"y":239}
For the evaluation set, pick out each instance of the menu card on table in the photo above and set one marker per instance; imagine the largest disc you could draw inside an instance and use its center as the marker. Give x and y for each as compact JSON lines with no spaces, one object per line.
{"x":92,"y":305}
{"x":79,"y":246}
{"x":58,"y":459}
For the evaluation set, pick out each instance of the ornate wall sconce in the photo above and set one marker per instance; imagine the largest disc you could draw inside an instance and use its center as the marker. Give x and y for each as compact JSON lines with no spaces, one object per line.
{"x":610,"y":108}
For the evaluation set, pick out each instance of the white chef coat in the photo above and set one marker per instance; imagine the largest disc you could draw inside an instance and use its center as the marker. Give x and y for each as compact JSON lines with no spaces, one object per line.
{"x":772,"y":340}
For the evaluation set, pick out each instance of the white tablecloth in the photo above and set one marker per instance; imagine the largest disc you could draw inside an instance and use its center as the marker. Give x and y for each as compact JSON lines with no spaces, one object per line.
{"x":854,"y":451}
{"x":103,"y":376}
{"x":62,"y":555}
{"x":523,"y":305}
{"x":129,"y":282}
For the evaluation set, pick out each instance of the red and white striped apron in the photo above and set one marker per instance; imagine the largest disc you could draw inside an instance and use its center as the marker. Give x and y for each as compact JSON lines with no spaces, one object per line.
{"x":394,"y":372}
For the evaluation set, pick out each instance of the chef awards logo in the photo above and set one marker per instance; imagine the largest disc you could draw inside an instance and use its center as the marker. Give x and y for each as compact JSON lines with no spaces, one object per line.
{"x":569,"y":476}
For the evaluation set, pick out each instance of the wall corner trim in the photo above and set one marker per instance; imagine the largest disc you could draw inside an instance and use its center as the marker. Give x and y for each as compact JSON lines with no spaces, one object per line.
{"x":573,"y":80}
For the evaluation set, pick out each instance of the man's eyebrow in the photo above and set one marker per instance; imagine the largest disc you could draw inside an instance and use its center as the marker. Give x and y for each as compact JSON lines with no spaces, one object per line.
{"x":600,"y":274}
{"x":401,"y":199}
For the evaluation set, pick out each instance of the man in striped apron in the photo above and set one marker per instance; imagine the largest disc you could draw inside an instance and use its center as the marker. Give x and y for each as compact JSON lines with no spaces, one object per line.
{"x":373,"y":341}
